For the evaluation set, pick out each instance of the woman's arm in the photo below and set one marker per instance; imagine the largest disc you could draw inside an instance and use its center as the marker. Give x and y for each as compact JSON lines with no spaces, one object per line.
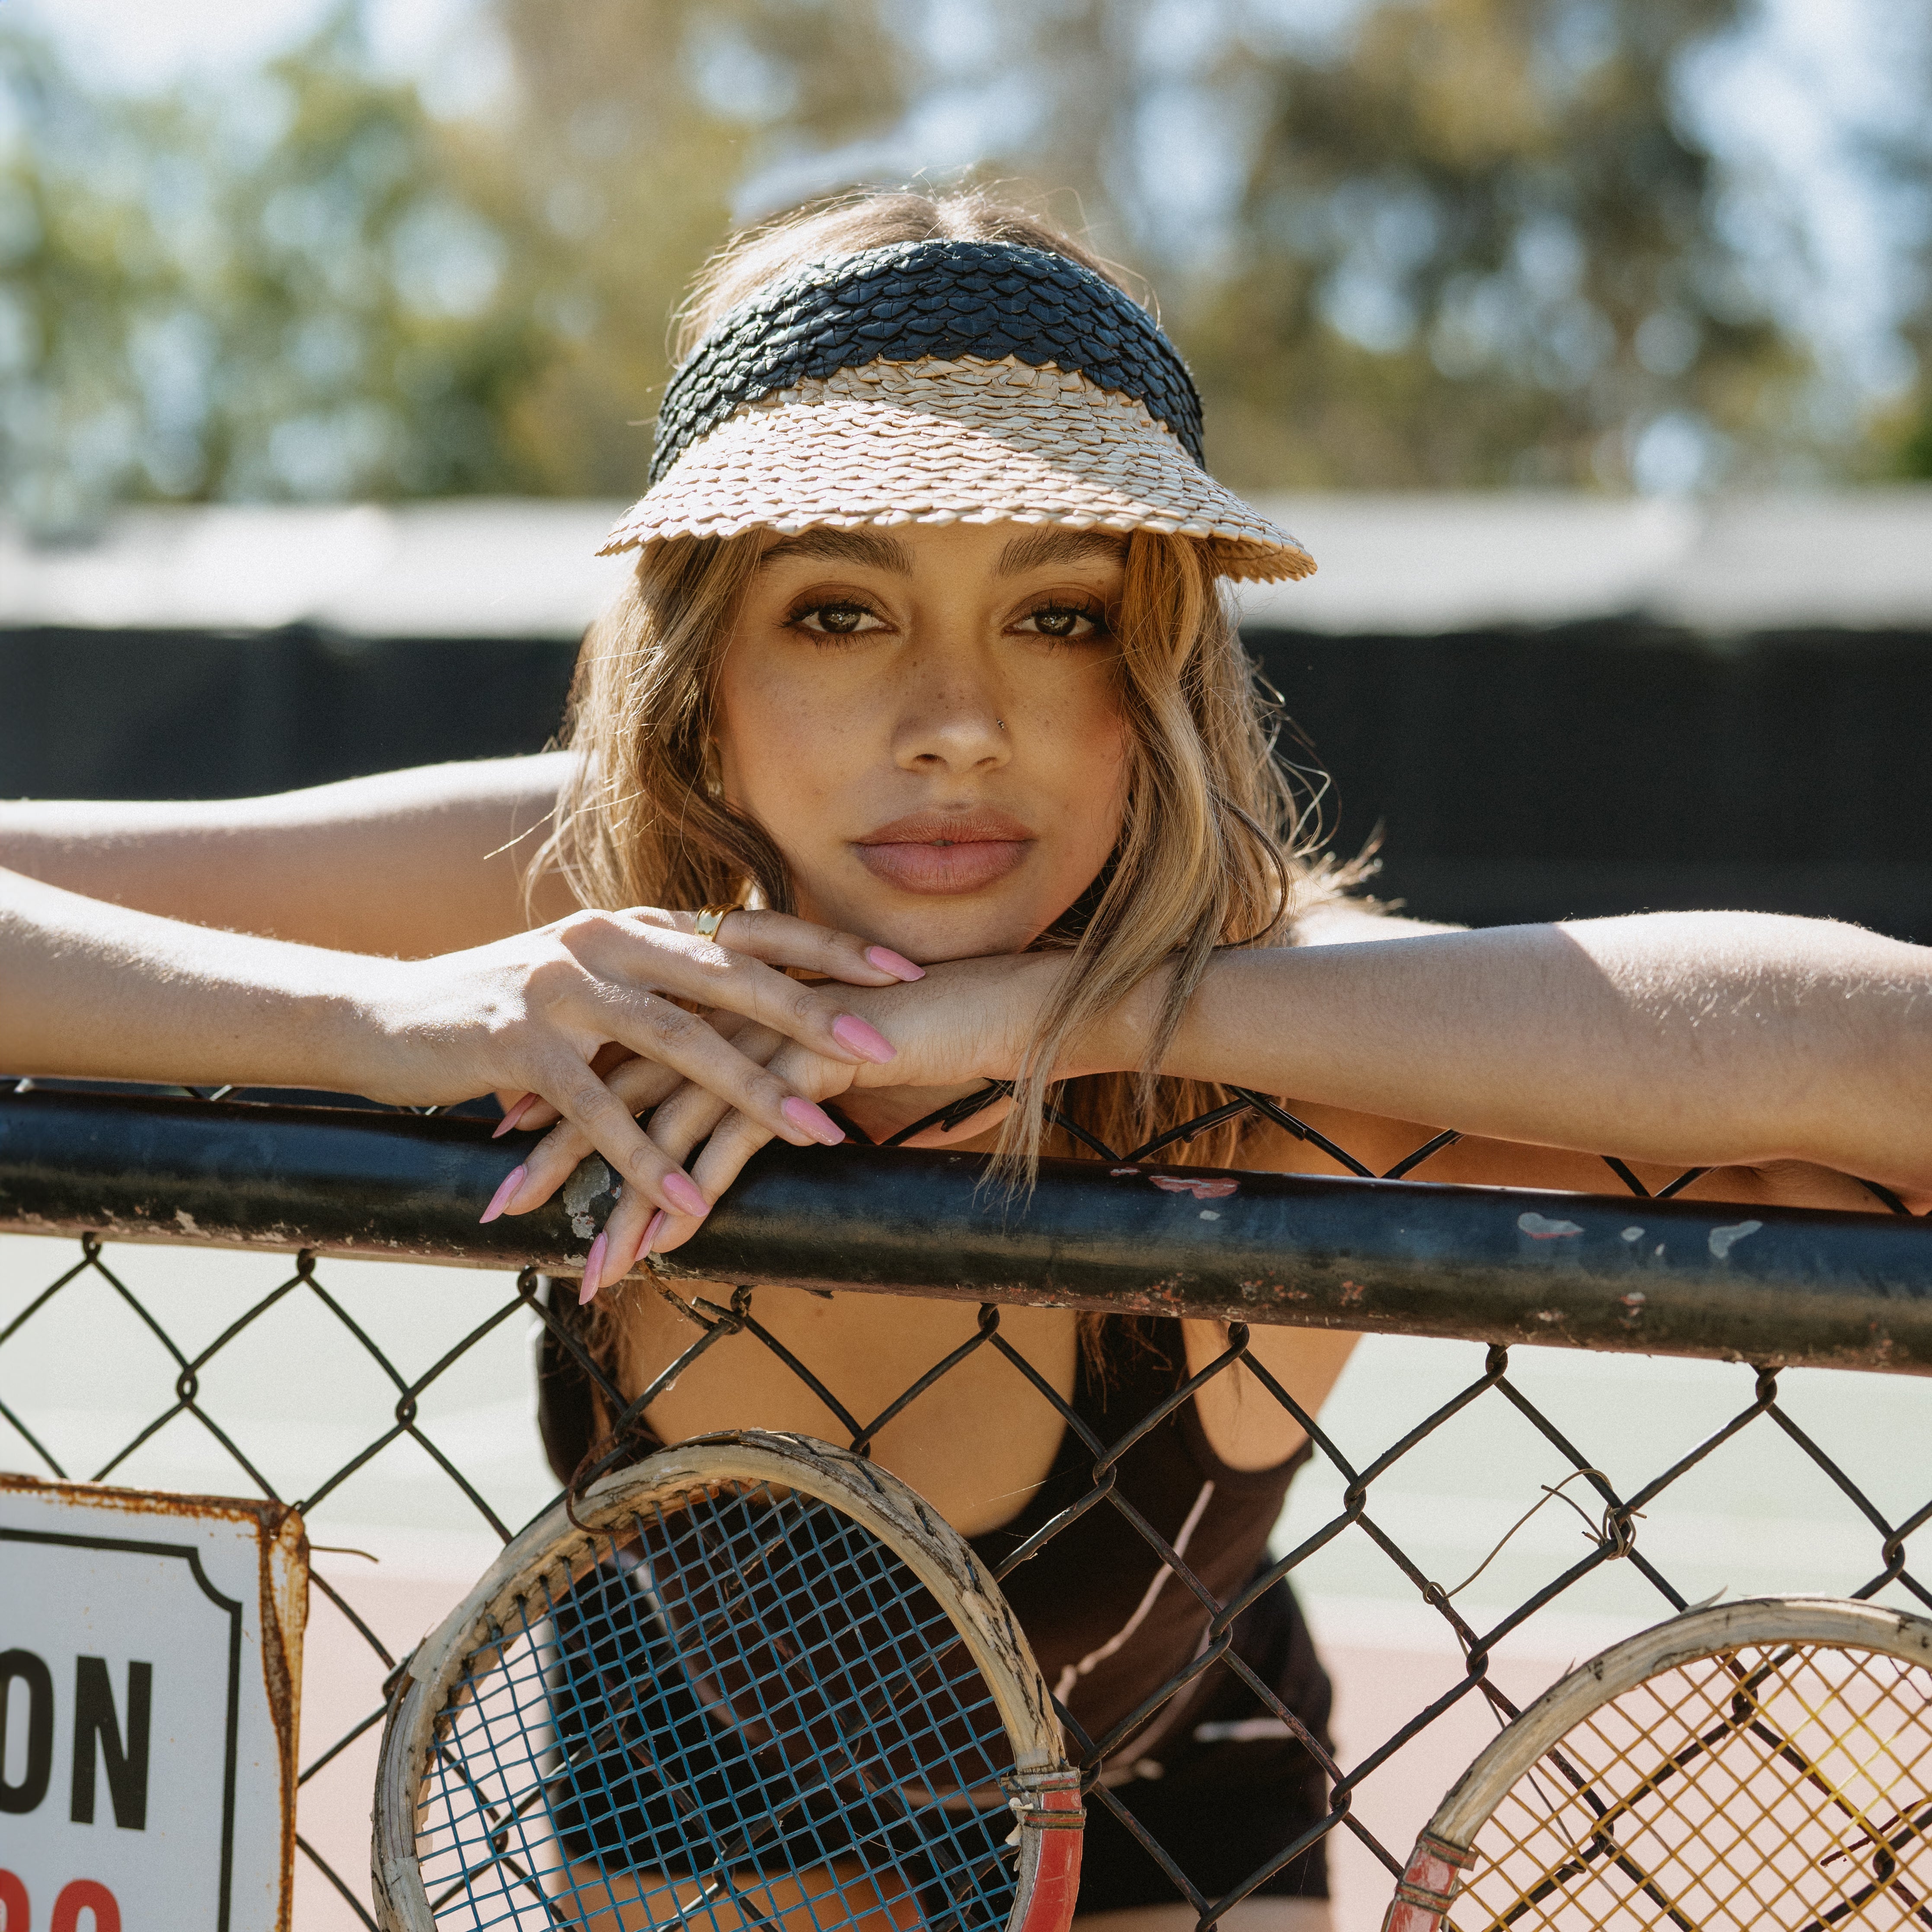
{"x":88,"y":988}
{"x":1772,"y":1049}
{"x":408,"y":863}
{"x":1696,"y":1040}
{"x":1688,"y":1039}
{"x":92,"y":990}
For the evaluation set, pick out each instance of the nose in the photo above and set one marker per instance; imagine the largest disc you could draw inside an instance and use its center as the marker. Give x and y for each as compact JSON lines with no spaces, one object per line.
{"x":951,"y":719}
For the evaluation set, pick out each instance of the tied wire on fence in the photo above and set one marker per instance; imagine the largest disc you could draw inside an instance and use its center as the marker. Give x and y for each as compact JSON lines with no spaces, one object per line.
{"x":1613,"y":1519}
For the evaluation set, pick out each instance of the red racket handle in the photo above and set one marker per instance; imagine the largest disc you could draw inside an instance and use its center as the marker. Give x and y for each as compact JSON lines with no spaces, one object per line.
{"x":1429,"y":1887}
{"x":1056,"y":1885}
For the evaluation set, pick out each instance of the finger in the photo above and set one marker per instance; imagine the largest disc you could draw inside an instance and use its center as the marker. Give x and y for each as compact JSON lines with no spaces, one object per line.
{"x":644,"y":1089}
{"x":692,"y":1115}
{"x":631,"y":984}
{"x":605,"y":1124}
{"x":780,"y":940}
{"x":737,"y":1136}
{"x":625,"y":1238}
{"x":682,"y":1045}
{"x":533,"y":1118}
{"x":641,"y":1084}
{"x":689,"y":1045}
{"x":732,"y":1142}
{"x":681,"y":1120}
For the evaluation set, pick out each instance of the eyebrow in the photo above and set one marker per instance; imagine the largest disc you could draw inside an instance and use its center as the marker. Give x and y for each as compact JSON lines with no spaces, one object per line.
{"x":860,"y":547}
{"x":1033,"y":549}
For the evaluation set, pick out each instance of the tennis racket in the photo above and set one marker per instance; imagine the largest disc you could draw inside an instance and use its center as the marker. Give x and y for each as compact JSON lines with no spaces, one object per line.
{"x":753,"y":1681}
{"x":1767,"y":1764}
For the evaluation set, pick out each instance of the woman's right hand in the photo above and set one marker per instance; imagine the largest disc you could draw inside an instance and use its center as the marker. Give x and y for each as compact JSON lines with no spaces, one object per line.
{"x":532,"y":1013}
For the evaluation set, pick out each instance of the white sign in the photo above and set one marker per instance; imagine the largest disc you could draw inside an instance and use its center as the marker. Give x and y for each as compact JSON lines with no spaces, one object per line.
{"x":150,"y":1668}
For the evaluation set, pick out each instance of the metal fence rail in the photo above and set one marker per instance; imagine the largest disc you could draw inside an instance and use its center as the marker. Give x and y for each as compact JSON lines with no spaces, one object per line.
{"x":1766,"y":1287}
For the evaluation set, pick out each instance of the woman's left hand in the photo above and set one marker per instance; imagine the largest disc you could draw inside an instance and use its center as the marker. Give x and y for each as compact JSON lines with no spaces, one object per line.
{"x":966,"y":1021}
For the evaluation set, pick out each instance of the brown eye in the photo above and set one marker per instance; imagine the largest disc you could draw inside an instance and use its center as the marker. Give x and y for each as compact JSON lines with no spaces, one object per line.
{"x":1065,"y":622}
{"x":836,"y":620}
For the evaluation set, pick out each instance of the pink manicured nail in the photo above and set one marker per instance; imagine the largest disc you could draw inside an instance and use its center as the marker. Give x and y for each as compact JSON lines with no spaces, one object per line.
{"x":500,"y":1199}
{"x":868,"y":1042}
{"x":685,"y":1196}
{"x":887,"y":960}
{"x":593,"y":1264}
{"x":514,"y":1114}
{"x":815,"y":1120}
{"x":651,"y":1227}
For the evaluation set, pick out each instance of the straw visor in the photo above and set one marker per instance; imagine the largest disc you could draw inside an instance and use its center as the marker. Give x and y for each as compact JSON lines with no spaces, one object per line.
{"x":941,"y":382}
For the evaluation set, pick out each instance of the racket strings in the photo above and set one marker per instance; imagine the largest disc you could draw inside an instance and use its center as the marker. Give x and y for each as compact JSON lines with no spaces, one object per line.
{"x":864,"y":1695}
{"x":746,"y":1710}
{"x":1782,"y":1787}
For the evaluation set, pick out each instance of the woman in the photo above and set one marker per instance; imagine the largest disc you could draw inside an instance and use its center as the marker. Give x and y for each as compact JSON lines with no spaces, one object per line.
{"x":922,"y":754}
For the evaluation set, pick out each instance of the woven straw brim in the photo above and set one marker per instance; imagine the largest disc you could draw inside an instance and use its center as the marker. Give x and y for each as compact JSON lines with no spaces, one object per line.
{"x":966,"y":442}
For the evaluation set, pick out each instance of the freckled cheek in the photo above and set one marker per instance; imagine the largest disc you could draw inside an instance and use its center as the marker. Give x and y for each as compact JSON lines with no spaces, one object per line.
{"x":1082,"y":760}
{"x":786,"y":752}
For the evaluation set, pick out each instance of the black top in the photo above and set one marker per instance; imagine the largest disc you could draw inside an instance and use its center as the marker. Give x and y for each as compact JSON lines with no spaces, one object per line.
{"x":1107,"y":1620}
{"x":1212,"y":1774}
{"x":947,"y":299}
{"x":1103,"y":1636}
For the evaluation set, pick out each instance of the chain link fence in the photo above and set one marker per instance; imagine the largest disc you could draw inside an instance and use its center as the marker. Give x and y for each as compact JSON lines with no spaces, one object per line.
{"x":317,"y":1381}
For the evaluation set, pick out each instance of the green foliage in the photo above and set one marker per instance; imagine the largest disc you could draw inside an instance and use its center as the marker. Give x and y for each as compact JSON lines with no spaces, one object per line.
{"x":280,"y":295}
{"x":632,"y":130}
{"x":1473,"y":243}
{"x":315,"y":290}
{"x":1457,"y":242}
{"x":1483,"y":250}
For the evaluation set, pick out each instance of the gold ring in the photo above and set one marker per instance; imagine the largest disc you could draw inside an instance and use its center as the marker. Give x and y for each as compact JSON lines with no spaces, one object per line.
{"x":711,"y":919}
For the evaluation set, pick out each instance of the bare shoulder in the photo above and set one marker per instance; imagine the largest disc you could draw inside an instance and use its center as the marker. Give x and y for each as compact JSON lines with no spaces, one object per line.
{"x":1349,"y":922}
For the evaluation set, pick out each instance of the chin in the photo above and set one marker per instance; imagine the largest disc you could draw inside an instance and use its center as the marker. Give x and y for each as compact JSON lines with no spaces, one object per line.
{"x":933,"y":943}
{"x":932,"y":933}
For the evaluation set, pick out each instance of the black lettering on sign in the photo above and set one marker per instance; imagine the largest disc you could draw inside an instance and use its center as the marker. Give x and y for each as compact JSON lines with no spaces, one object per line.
{"x":23,"y":1667}
{"x":94,"y":1719}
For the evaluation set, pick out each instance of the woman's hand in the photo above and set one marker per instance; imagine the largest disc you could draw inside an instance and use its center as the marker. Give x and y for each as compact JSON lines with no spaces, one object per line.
{"x":539,"y":1014}
{"x":966,"y":1022}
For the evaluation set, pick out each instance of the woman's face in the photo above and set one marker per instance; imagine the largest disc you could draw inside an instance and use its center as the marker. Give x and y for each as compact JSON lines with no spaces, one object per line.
{"x":925,"y":723}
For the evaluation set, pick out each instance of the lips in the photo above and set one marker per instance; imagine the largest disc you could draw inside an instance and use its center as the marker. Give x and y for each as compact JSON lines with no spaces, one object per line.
{"x":942,"y":852}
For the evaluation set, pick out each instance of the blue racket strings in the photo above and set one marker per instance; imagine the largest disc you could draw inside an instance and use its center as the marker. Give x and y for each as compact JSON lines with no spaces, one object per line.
{"x":749,"y":1711}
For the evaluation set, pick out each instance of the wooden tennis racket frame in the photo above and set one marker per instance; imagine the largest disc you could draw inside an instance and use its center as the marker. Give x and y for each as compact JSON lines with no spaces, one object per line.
{"x":1445,"y":1850}
{"x":558,"y":1549}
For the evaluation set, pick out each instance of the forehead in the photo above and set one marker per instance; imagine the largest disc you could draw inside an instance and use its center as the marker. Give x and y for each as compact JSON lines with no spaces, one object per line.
{"x":1000,"y":549}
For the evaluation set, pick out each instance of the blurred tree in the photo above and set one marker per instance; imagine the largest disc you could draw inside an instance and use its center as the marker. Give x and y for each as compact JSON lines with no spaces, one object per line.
{"x":1472,"y":241}
{"x":312,"y":288}
{"x":284,"y":293}
{"x":84,"y":278}
{"x":1437,"y":242}
{"x":630,"y":132}
{"x":368,"y":341}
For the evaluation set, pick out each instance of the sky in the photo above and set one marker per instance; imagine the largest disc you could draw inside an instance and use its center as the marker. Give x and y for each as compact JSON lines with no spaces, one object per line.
{"x":140,"y":46}
{"x":1786,"y":103}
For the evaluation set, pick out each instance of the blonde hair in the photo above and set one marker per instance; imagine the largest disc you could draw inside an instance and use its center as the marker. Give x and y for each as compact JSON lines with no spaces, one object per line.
{"x":1211,"y":851}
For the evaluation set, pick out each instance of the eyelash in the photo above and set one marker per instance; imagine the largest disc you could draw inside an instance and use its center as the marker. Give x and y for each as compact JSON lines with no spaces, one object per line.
{"x":1097,"y":618}
{"x":796,"y":619}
